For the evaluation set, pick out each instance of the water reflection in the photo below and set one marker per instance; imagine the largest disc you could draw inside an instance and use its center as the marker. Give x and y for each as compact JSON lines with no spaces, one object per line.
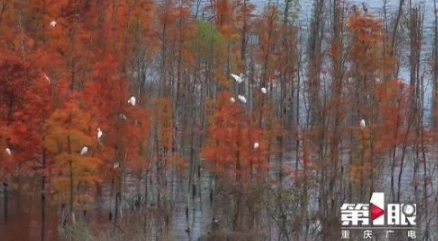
{"x":26,"y":219}
{"x":29,"y":217}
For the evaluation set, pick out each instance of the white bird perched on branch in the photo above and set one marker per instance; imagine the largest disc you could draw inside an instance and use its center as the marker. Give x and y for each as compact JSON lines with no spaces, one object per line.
{"x":116,"y":165}
{"x":256,"y":145}
{"x":232,"y":100}
{"x":362,"y":124}
{"x":47,"y":78}
{"x":238,"y":79}
{"x":132,"y":101}
{"x":122,"y":116}
{"x":242,"y":99}
{"x":215,"y":221}
{"x":8,"y":151}
{"x":99,"y":133}
{"x":263,"y":89}
{"x":84,"y":150}
{"x":53,"y":24}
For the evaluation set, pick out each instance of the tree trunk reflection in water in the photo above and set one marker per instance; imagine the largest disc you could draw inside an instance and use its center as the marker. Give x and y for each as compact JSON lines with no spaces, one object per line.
{"x":32,"y":218}
{"x":5,"y":202}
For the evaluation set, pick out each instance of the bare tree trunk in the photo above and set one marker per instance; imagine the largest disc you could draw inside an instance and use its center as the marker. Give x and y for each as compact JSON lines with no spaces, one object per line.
{"x":435,"y":69}
{"x":43,"y":196}
{"x":315,"y":59}
{"x":337,"y":87}
{"x":70,"y":163}
{"x":396,"y":26}
{"x":5,"y":201}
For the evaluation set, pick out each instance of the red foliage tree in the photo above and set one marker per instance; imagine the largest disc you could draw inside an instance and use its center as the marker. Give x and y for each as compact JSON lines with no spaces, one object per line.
{"x":230,"y":149}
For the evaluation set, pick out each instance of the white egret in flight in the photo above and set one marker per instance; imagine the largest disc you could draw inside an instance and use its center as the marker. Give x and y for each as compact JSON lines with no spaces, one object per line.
{"x":238,"y":79}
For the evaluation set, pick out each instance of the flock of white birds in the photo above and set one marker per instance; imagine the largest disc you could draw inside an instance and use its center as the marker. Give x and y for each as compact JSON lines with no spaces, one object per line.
{"x":239,"y":79}
{"x":132,"y":101}
{"x":84,"y":149}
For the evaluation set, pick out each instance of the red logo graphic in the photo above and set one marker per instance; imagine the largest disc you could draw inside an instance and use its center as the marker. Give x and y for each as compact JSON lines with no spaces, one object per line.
{"x":376,"y":212}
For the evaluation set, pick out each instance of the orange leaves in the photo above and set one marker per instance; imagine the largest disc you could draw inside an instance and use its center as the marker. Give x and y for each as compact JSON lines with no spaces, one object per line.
{"x":395,"y":100}
{"x":176,"y":160}
{"x":164,"y":119}
{"x":224,"y":16}
{"x":37,"y":105}
{"x":366,"y":47}
{"x":65,"y":73}
{"x":5,"y":134}
{"x":13,"y":77}
{"x":356,"y":172}
{"x":107,"y":95}
{"x":125,"y":127}
{"x":69,"y":130}
{"x":138,"y":138}
{"x":365,"y":28}
{"x":234,"y":147}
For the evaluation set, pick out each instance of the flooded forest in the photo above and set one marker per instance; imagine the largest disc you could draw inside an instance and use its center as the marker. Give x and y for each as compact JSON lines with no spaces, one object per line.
{"x":211,"y":120}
